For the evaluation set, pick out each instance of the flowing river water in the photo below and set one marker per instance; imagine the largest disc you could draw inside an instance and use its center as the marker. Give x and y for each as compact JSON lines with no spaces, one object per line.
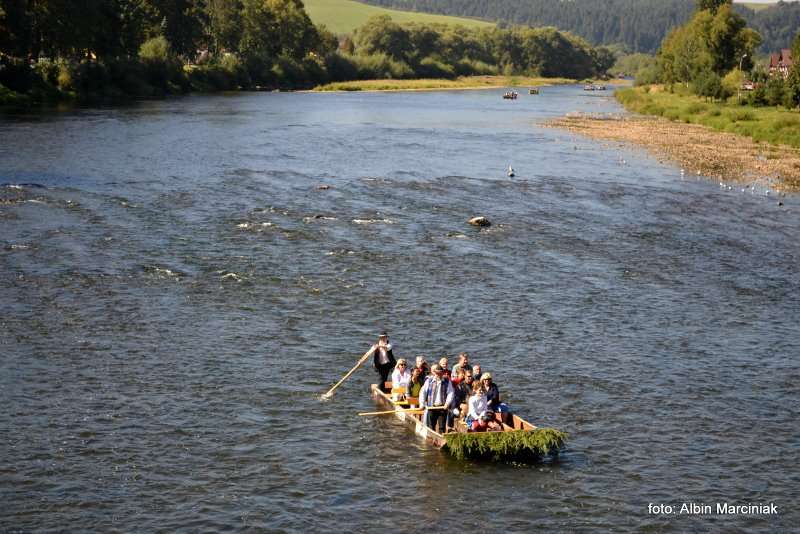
{"x":176,"y":292}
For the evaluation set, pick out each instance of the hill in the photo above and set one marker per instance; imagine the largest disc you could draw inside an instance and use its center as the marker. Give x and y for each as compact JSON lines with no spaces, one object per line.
{"x":344,"y":16}
{"x":639,"y":25}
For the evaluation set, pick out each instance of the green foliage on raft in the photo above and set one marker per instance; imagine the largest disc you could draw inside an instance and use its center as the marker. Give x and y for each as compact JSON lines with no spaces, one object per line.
{"x":515,"y":446}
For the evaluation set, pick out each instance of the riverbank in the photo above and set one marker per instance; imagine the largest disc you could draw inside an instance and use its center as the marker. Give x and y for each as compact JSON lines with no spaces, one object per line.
{"x":439,"y":84}
{"x":771,"y":124}
{"x":697,"y":149}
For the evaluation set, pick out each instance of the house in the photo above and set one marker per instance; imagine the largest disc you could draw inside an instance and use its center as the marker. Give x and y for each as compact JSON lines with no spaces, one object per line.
{"x":781,"y":63}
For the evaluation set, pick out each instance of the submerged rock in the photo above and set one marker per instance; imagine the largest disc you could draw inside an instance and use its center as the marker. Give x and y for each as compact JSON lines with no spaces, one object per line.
{"x":479,"y":221}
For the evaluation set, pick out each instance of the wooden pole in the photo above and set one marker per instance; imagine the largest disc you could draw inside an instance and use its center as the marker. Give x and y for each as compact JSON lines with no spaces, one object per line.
{"x":350,"y":372}
{"x":409,"y":410}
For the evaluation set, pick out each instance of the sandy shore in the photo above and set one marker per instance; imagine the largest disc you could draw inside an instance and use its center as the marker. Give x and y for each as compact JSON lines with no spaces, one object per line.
{"x":697,"y":149}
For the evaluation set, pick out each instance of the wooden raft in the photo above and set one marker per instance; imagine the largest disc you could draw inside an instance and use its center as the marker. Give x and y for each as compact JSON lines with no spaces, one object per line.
{"x":510,"y":422}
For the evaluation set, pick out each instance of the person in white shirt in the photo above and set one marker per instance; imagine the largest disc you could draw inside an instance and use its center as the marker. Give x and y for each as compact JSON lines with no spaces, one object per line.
{"x":477,"y":404}
{"x":437,"y":391}
{"x":400,"y":376}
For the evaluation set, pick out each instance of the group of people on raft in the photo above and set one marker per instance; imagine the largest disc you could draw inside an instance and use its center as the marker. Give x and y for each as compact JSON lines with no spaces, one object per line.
{"x":448,"y":396}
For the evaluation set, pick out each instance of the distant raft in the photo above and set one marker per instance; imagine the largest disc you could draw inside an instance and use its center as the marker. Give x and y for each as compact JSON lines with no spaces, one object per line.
{"x":518,"y":442}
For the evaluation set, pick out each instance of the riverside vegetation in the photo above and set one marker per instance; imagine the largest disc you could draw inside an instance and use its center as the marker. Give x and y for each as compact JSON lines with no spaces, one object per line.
{"x":696,"y":78}
{"x":52,"y":50}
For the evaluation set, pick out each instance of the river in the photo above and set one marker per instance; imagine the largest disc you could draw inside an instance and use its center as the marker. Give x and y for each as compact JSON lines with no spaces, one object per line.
{"x":177,"y":290}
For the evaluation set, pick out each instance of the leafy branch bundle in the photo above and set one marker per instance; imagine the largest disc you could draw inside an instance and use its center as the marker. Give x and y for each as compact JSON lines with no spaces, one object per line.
{"x":516,"y":446}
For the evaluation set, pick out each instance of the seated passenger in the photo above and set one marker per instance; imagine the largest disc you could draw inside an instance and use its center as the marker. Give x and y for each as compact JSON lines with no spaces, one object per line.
{"x":461,"y":392}
{"x":443,"y":365}
{"x":476,"y":372}
{"x":493,"y":394}
{"x":487,"y":423}
{"x":400,"y":376}
{"x":423,"y":366}
{"x":416,"y":382}
{"x":476,"y":404}
{"x":457,"y":376}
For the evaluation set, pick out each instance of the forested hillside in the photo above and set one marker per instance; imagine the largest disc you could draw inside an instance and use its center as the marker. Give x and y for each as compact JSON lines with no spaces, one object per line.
{"x":640,"y":25}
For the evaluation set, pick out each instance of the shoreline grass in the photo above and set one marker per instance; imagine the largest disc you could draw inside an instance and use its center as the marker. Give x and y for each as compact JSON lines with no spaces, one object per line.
{"x":442,"y":84}
{"x":777,"y":126}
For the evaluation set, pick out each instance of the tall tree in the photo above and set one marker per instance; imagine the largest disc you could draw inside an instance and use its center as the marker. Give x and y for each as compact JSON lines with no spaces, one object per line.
{"x":224,"y":24}
{"x":712,"y":5}
{"x":382,"y":35}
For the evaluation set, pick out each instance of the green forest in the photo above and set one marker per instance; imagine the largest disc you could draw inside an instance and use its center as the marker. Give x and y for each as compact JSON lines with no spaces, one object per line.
{"x":105,"y":49}
{"x":638,"y":25}
{"x":711,"y":56}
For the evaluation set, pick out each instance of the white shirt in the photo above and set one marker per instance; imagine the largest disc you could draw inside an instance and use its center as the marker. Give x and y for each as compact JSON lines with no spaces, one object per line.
{"x":383,"y":357}
{"x":477,"y":406}
{"x":400,"y":379}
{"x":441,"y":392}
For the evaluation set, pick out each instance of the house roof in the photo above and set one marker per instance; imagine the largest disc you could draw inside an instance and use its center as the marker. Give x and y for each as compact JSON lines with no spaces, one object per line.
{"x":781,"y":59}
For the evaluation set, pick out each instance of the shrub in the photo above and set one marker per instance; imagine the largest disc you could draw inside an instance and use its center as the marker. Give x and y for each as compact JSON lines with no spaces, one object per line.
{"x":234,"y":71}
{"x":737,"y":115}
{"x":16,"y":74}
{"x":431,"y":67}
{"x":696,"y":108}
{"x":64,"y":78}
{"x":155,"y":50}
{"x":89,"y":78}
{"x":48,"y":71}
{"x":786,"y":122}
{"x":162,"y":68}
{"x":379,"y":66}
{"x":472,"y":67}
{"x":341,"y":67}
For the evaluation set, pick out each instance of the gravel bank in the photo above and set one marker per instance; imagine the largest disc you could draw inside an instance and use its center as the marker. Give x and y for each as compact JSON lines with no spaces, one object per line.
{"x":697,"y":149}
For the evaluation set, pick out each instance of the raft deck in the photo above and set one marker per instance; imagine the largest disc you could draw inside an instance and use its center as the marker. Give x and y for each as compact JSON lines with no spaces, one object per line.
{"x":509,"y":421}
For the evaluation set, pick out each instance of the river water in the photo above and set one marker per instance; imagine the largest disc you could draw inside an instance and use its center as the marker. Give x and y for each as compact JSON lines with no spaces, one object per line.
{"x":177,"y":291}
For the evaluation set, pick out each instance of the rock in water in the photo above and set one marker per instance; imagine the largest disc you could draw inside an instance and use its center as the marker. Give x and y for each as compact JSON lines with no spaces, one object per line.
{"x":479,"y":221}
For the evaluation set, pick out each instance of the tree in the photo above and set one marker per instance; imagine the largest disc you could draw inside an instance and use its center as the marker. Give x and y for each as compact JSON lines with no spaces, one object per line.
{"x":181,"y":22}
{"x":712,"y":5}
{"x":710,"y":41}
{"x":381,"y":35}
{"x":708,"y":84}
{"x":224,"y":24}
{"x":603,"y":59}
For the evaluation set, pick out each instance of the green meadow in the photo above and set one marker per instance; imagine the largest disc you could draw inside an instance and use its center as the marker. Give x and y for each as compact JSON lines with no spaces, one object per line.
{"x":768,"y":124}
{"x":757,"y":7}
{"x":433,"y":84}
{"x":344,"y":16}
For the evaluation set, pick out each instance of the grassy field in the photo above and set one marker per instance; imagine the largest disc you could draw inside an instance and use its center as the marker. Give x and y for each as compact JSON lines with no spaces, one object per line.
{"x":343,"y":16}
{"x":757,"y":7}
{"x":463,"y":82}
{"x":768,"y":124}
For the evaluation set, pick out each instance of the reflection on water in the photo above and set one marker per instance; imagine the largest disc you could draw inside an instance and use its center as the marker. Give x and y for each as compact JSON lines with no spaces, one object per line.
{"x":177,"y":290}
